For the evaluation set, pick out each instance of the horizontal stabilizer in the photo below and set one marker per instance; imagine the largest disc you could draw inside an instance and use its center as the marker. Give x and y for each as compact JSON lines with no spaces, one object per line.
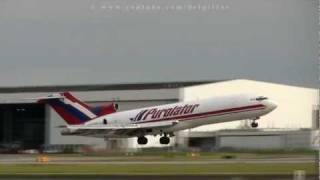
{"x":46,"y":97}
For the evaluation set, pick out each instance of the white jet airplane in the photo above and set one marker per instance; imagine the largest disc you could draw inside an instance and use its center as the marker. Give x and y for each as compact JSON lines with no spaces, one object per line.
{"x":105,"y":122}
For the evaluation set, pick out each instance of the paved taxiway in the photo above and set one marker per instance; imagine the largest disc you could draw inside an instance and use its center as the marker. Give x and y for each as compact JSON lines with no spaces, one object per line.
{"x":31,"y":159}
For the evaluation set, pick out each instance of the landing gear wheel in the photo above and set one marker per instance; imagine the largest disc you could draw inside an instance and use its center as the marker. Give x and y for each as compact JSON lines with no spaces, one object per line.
{"x":142,"y":140}
{"x":254,"y":124}
{"x":164,"y":140}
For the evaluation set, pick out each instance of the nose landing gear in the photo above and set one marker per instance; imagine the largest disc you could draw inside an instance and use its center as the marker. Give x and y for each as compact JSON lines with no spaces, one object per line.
{"x":254,"y":124}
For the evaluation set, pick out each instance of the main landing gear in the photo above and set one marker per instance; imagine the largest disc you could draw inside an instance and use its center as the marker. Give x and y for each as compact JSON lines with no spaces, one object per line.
{"x":163,"y":140}
{"x":142,"y":140}
{"x":254,"y":124}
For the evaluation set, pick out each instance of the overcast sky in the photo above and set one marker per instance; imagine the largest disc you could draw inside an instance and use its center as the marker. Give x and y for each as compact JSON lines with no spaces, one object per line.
{"x":50,"y":42}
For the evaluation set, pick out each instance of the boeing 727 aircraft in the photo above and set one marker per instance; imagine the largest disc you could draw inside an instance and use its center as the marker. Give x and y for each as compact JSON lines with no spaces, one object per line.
{"x":164,"y":120}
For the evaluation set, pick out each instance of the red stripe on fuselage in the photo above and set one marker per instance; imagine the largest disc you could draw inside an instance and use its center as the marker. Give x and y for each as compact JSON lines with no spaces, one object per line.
{"x":208,"y":114}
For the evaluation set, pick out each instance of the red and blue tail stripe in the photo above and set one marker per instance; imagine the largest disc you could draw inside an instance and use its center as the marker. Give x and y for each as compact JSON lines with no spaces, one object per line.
{"x":74,"y":111}
{"x":68,"y":112}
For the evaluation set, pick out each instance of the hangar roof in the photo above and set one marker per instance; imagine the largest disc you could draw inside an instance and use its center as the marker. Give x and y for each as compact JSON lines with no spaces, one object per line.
{"x":104,"y":87}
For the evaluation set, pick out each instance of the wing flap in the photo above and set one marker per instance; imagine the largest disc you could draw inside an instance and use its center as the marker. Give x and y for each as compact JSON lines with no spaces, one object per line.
{"x":123,"y":127}
{"x":116,"y":130}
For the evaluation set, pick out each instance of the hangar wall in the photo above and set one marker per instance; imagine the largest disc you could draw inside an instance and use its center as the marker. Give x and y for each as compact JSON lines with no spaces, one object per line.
{"x":295,"y":104}
{"x":293,"y":139}
{"x":251,"y":142}
{"x":248,"y":139}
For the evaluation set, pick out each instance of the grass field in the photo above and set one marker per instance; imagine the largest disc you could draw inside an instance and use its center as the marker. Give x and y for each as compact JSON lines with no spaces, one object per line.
{"x":158,"y":169}
{"x":236,"y":168}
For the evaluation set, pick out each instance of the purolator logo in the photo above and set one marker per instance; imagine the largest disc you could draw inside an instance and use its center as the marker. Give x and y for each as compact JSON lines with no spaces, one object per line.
{"x":155,"y":113}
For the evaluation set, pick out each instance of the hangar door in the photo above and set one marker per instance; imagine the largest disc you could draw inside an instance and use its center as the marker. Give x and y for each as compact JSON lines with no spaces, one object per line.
{"x":22,"y":125}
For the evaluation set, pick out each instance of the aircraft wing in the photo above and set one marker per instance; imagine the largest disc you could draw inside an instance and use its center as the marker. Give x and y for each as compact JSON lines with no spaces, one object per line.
{"x":116,"y":130}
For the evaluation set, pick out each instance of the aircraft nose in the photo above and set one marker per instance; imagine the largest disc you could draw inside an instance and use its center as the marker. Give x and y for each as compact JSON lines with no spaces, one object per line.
{"x":271,"y":105}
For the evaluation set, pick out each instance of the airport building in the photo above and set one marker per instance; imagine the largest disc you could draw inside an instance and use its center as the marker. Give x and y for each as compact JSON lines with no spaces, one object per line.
{"x":292,"y":125}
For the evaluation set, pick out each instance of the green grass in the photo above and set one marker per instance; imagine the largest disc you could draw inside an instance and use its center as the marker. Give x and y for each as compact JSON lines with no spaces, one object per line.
{"x":158,"y":169}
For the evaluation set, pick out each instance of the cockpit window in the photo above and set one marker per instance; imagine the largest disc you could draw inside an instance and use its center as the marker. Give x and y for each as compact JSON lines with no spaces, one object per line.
{"x":260,"y":98}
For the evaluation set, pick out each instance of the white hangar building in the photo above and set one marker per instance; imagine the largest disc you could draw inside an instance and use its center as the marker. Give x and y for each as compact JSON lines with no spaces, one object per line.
{"x":296,"y":105}
{"x":34,"y":125}
{"x":294,"y":124}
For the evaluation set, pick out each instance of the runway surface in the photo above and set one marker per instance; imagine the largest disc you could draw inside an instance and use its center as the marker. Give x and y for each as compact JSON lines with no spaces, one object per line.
{"x":32,"y":159}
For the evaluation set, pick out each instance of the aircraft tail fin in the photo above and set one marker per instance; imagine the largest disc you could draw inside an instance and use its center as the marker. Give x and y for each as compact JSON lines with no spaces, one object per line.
{"x":73,"y":110}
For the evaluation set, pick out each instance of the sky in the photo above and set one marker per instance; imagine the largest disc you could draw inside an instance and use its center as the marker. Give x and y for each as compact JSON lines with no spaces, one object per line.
{"x":58,"y":42}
